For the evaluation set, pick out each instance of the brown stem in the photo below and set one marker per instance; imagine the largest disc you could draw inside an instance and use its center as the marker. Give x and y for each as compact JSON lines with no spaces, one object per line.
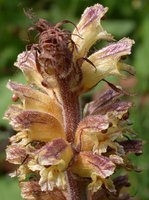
{"x":71,"y":115}
{"x":72,"y":187}
{"x":71,"y":112}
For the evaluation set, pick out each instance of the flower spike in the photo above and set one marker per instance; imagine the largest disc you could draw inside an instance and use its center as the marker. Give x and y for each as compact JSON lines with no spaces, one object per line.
{"x":61,"y":154}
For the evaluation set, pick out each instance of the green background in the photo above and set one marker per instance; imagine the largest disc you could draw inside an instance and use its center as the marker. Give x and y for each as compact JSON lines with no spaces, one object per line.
{"x":125,"y":18}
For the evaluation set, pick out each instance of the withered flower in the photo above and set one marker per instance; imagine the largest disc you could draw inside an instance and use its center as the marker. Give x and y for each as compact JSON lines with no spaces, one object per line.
{"x":56,"y":149}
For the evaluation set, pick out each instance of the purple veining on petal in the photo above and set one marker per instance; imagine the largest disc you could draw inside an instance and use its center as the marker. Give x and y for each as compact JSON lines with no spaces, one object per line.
{"x":26,"y":60}
{"x":51,"y":150}
{"x":123,"y":46}
{"x":100,"y":163}
{"x":108,"y":102}
{"x":12,"y":112}
{"x":26,"y":91}
{"x":27,"y":118}
{"x":92,"y":13}
{"x":16,"y":154}
{"x":98,"y":123}
{"x":104,"y":99}
{"x":118,"y":106}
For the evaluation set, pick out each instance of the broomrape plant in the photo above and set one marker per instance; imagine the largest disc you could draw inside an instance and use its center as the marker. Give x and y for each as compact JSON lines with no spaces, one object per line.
{"x":60,"y":154}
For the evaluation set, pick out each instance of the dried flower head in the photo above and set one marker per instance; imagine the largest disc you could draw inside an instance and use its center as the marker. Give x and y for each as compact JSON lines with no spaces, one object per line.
{"x":59,"y":154}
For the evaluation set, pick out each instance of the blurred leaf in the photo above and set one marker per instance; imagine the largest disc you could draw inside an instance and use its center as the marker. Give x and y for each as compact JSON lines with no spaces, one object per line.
{"x":3,"y":135}
{"x":119,"y":28}
{"x":7,"y":54}
{"x":141,"y":61}
{"x":9,"y":189}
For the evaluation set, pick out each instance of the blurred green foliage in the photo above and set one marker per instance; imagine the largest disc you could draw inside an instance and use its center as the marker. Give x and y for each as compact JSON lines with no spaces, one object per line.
{"x":125,"y":18}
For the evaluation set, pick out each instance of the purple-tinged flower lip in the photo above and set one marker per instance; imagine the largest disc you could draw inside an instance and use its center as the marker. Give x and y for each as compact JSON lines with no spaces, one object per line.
{"x":50,"y":151}
{"x":116,"y":159}
{"x":94,"y":164}
{"x":36,"y":100}
{"x":97,"y":122}
{"x":23,"y":90}
{"x":27,"y":118}
{"x":99,"y":162}
{"x":12,"y":112}
{"x":26,"y":60}
{"x":121,"y":47}
{"x":40,"y":125}
{"x":108,"y":102}
{"x":118,"y":106}
{"x":16,"y":154}
{"x":101,"y":101}
{"x":107,"y":63}
{"x":93,"y":13}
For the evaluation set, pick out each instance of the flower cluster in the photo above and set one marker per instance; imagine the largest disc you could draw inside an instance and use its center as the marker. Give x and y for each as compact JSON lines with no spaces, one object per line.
{"x":55,"y":148}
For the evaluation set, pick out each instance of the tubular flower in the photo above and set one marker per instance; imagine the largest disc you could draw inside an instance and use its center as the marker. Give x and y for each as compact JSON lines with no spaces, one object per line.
{"x":55,"y":147}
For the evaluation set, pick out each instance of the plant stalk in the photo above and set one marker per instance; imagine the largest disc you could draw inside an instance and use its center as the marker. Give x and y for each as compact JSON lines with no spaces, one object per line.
{"x":71,"y":113}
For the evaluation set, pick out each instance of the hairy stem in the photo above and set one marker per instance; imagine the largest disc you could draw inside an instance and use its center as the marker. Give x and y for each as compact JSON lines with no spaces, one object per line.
{"x":71,"y":111}
{"x":72,"y":187}
{"x":71,"y":115}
